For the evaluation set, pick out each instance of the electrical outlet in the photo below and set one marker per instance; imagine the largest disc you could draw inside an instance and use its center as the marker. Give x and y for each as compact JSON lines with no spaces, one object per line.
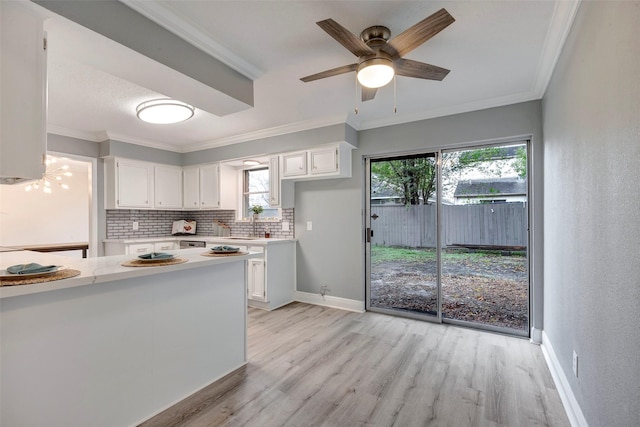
{"x":575,"y":363}
{"x":309,"y":226}
{"x":285,"y":225}
{"x":135,"y":225}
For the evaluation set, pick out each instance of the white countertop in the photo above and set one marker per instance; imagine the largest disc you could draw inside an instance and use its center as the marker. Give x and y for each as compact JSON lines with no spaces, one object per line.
{"x":238,"y":240}
{"x":102,"y":269}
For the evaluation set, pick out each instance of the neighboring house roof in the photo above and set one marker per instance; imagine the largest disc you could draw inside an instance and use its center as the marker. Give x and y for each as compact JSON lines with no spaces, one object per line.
{"x":491,"y":187}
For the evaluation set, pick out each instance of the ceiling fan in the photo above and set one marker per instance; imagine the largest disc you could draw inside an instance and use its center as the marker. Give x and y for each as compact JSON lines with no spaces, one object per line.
{"x":380,"y":58}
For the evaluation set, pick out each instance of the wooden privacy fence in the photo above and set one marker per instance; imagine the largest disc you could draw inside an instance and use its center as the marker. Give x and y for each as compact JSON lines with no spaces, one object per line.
{"x":500,"y":225}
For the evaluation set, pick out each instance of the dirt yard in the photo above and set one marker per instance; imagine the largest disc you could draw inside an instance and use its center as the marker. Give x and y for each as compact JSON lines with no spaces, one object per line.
{"x":480,"y":287}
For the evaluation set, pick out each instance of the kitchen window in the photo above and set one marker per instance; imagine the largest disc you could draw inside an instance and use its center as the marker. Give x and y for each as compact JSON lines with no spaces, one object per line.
{"x":256,"y":192}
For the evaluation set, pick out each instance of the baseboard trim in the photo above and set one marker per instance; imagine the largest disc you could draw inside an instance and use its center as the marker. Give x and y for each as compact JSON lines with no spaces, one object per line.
{"x":571,"y":406}
{"x":329,"y":301}
{"x":536,"y":336}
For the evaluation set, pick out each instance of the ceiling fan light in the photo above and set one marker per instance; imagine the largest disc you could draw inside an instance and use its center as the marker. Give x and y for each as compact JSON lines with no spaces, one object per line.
{"x":375,"y":72}
{"x":164,"y":111}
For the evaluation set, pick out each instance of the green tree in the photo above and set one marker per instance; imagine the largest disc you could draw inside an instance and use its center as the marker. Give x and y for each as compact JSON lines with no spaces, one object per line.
{"x":413,"y":178}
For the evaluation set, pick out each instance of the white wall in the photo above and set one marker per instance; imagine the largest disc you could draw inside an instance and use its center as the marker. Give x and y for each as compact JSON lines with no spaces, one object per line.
{"x":591,"y":124}
{"x":35,"y":217}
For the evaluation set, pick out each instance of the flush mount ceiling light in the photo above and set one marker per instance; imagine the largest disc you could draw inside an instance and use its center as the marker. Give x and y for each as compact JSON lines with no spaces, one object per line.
{"x":375,"y":72}
{"x":164,"y":111}
{"x":251,"y":162}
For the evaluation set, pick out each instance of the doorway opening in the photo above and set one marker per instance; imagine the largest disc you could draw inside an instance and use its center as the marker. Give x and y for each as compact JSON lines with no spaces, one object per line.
{"x":447,"y":236}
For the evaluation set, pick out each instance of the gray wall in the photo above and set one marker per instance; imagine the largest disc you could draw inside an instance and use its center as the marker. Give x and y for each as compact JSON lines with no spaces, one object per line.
{"x":332,"y":254}
{"x":275,"y":144}
{"x":591,"y":122}
{"x":97,"y":150}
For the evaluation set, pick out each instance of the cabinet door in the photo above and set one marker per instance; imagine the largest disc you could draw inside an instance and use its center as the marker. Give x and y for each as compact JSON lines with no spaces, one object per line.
{"x":324,"y":160}
{"x":209,"y":187}
{"x":191,"y":188}
{"x":255,"y":277}
{"x":135,"y":184}
{"x":294,"y":164}
{"x":168,"y":186}
{"x":274,"y":182}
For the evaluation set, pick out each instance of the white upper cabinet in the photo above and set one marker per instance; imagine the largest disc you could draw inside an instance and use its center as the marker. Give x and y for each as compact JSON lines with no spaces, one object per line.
{"x":23,"y":76}
{"x":191,"y":188}
{"x":168,"y":187}
{"x":210,"y":186}
{"x":274,"y":182}
{"x":294,"y":164}
{"x":128,"y":184}
{"x":324,"y":160}
{"x":329,"y":161}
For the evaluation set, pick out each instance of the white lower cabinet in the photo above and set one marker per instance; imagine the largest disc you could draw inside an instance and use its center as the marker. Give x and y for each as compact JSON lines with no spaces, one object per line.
{"x":255,"y":280}
{"x":117,"y":248}
{"x":271,"y":281}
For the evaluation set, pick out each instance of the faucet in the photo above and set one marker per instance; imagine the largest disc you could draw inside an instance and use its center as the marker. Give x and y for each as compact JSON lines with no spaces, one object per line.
{"x":253,"y":222}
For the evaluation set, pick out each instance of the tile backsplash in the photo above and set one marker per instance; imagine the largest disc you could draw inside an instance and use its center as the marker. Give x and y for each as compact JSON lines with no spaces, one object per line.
{"x":155,"y":223}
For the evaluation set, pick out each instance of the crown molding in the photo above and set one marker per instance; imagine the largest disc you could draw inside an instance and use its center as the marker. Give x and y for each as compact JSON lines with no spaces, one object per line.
{"x":562,"y":19}
{"x":267,"y":133}
{"x":166,"y":18}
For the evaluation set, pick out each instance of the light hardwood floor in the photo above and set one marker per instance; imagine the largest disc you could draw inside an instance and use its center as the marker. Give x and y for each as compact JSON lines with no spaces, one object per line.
{"x":317,"y":366}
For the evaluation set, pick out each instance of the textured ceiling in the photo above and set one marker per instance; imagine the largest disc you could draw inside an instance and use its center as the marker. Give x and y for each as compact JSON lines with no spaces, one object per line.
{"x":498,"y":53}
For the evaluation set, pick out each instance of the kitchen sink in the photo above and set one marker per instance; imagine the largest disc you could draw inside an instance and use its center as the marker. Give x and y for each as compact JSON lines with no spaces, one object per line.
{"x":242,"y":238}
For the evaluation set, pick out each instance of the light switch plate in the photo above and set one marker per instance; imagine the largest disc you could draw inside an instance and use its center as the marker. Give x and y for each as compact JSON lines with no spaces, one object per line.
{"x":285,"y":225}
{"x":135,"y":225}
{"x":309,"y":226}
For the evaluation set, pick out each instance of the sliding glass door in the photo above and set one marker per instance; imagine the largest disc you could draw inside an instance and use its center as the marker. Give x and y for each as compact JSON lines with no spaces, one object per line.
{"x":402,"y":236}
{"x":447,"y":236}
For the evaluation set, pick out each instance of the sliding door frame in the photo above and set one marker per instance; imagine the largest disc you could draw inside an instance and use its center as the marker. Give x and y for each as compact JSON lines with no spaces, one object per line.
{"x":438,"y":151}
{"x":367,"y":222}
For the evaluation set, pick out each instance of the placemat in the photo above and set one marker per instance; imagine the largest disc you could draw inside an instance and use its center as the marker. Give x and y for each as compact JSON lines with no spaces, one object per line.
{"x":58,"y":275}
{"x":141,"y":263}
{"x":218,"y":255}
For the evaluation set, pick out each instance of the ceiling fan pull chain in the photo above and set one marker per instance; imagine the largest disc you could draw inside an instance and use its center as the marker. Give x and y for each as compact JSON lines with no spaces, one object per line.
{"x":395,"y":107}
{"x":355,"y":101}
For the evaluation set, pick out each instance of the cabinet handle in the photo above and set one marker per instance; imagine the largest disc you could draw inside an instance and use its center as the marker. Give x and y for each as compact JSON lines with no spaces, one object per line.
{"x":141,"y":250}
{"x":159,"y":203}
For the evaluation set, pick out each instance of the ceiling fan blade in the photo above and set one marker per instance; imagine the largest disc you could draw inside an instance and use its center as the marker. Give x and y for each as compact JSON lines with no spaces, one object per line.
{"x":368,"y":93}
{"x":330,"y":73}
{"x":345,"y":37}
{"x":414,"y":36}
{"x":420,"y":70}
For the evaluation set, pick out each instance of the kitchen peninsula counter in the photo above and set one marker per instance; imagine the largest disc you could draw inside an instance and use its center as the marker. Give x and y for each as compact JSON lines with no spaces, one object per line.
{"x":116,"y":345}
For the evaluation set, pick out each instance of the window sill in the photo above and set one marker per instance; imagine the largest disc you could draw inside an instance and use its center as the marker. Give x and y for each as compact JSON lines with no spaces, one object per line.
{"x":261,"y":220}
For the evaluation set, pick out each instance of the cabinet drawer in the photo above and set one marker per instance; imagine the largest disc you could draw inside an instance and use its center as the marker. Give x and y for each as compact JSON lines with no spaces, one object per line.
{"x":140,"y":248}
{"x":164,"y":246}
